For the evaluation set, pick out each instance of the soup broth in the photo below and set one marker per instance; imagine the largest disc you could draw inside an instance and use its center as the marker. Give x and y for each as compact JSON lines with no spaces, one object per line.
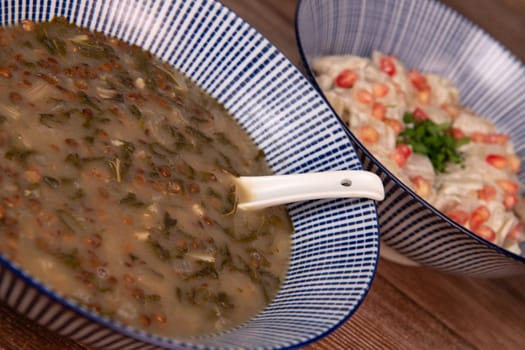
{"x":116,"y":185}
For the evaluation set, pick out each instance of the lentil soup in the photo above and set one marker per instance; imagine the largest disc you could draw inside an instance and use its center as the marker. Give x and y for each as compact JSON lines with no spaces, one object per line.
{"x":116,"y":185}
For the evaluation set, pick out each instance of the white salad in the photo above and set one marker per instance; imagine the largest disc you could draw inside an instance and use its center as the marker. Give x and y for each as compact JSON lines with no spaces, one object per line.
{"x":416,"y":126}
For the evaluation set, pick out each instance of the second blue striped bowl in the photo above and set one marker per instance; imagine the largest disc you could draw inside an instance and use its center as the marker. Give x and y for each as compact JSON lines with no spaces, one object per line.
{"x":427,"y":35}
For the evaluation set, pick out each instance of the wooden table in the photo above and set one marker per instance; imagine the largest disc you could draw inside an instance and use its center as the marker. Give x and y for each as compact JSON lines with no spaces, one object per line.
{"x":407,"y":307}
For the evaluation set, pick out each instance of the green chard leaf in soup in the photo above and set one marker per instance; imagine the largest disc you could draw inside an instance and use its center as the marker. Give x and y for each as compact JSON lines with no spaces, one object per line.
{"x":78,"y":161}
{"x":55,"y":45}
{"x":51,"y":181}
{"x":20,"y":155}
{"x":67,"y":218}
{"x":131,"y":200}
{"x":206,"y":270}
{"x":92,"y":48}
{"x":52,"y":120}
{"x":86,"y":100}
{"x":168,"y":223}
{"x":69,"y":259}
{"x":160,"y":251}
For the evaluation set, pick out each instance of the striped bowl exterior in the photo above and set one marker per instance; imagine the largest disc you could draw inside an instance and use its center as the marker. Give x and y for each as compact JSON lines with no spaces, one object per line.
{"x":335,"y":243}
{"x":426,"y":34}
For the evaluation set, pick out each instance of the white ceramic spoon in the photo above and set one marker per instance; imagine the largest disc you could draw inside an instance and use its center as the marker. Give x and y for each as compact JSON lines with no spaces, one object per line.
{"x":256,"y":192}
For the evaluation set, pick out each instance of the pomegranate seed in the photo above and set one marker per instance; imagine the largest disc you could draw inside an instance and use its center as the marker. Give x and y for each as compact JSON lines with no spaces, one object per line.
{"x":487,"y":193}
{"x":423,"y":97}
{"x":451,"y":110}
{"x":485,"y":232}
{"x":479,"y":216}
{"x":368,"y":134}
{"x":514,"y":163}
{"x":458,"y":215}
{"x":399,"y":90}
{"x":394,"y":124}
{"x":477,"y":136}
{"x":422,"y":186}
{"x":405,"y":150}
{"x":494,"y":138}
{"x":457,"y":134}
{"x":419,"y":114}
{"x":516,"y":233}
{"x":510,"y":201}
{"x":378,"y":111}
{"x":418,"y":80}
{"x":490,"y":138}
{"x":497,"y":161}
{"x":379,"y":90}
{"x":386,"y":65}
{"x":346,"y":79}
{"x":401,"y":154}
{"x":364,"y":96}
{"x":508,"y":186}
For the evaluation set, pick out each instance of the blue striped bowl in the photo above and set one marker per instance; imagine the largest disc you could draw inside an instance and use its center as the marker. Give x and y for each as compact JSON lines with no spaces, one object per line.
{"x":427,"y":35}
{"x":335,"y":243}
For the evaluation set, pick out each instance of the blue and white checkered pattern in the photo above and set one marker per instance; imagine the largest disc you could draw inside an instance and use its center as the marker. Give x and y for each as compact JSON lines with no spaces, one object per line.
{"x":429,"y":36}
{"x":335,"y":243}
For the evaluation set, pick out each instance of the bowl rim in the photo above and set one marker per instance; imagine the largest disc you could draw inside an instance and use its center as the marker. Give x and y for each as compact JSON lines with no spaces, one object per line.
{"x":310,"y":75}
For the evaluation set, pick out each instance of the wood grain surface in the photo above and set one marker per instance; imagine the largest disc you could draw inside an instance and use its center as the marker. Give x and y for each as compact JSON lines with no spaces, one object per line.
{"x":407,"y":307}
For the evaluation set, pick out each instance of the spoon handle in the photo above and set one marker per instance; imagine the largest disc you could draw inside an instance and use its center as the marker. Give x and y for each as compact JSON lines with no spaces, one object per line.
{"x":256,"y":192}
